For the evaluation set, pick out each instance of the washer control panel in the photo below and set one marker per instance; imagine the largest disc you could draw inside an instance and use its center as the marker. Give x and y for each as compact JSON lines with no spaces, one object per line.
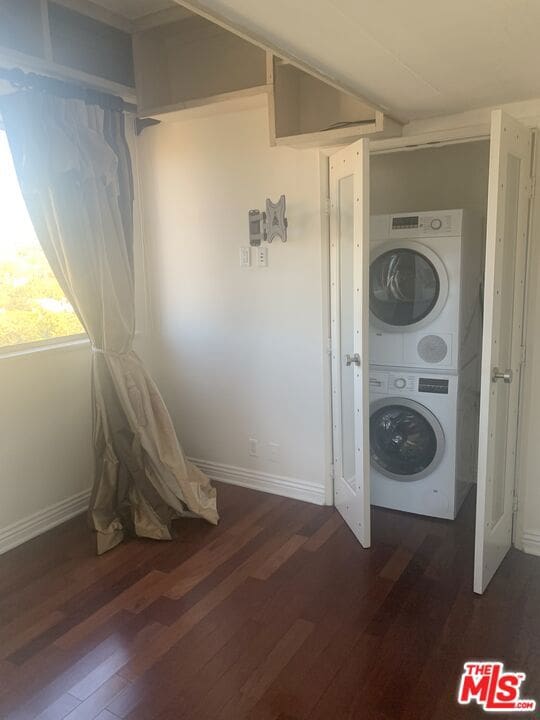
{"x":392,"y":382}
{"x":433,"y":385}
{"x":401,"y":382}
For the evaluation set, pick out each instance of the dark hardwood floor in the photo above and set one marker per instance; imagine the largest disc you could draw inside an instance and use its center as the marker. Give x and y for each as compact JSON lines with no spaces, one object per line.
{"x":276,"y":614}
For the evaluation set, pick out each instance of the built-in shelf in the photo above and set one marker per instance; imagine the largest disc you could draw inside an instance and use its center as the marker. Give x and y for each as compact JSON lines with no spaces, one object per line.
{"x":86,"y":44}
{"x":44,"y":36}
{"x":306,"y":111}
{"x":22,"y":27}
{"x":191,"y":66}
{"x":201,"y":107}
{"x":184,"y":65}
{"x":192,"y":62}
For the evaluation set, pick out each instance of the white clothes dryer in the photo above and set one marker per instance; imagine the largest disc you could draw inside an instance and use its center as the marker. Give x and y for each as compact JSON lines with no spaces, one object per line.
{"x":425,"y":289}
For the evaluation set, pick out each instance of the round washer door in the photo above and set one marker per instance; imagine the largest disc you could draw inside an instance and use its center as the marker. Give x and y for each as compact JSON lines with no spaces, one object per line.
{"x":408,"y":286}
{"x":406,"y":439}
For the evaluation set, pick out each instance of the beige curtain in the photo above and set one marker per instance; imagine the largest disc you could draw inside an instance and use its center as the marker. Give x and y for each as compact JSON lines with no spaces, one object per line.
{"x":74,"y":169}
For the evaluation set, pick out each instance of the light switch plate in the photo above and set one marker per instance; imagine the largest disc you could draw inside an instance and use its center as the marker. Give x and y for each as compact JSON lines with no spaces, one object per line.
{"x":262,"y":257}
{"x":245,"y":257}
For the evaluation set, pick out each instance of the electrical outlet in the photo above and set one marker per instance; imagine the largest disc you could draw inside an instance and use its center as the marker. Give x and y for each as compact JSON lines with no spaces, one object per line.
{"x":262,"y":257}
{"x":253,"y":445}
{"x":273,"y":452}
{"x":245,"y":257}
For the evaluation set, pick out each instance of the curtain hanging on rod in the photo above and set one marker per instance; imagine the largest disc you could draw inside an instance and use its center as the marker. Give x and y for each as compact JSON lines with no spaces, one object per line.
{"x":22,"y":80}
{"x":74,"y":168}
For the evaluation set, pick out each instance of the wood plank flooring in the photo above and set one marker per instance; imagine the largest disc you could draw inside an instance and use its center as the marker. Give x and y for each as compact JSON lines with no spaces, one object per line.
{"x":276,"y":614}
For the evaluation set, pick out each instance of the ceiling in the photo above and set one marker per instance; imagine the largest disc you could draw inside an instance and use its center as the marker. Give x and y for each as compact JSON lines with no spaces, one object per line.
{"x":417,"y":58}
{"x":134,"y":9}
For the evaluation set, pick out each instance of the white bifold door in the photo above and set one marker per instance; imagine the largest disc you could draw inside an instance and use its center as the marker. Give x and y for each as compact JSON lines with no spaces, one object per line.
{"x":502,"y":351}
{"x":349,"y":249}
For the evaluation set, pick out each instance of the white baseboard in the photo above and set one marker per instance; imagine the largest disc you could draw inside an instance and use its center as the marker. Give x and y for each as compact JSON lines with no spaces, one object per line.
{"x":29,"y":527}
{"x":531,"y":542}
{"x":23,"y":530}
{"x":265,"y":482}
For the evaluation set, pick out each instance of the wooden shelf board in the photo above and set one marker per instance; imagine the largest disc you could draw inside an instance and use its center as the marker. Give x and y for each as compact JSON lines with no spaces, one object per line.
{"x":380,"y":127}
{"x":14,"y":58}
{"x":329,"y":137}
{"x":199,"y":107}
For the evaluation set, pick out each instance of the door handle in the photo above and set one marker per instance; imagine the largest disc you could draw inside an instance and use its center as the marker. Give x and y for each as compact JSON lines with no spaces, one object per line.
{"x":350,"y":359}
{"x":507,"y":375}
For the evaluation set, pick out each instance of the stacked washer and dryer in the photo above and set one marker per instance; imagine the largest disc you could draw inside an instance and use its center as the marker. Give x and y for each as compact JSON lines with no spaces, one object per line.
{"x":426,"y":274}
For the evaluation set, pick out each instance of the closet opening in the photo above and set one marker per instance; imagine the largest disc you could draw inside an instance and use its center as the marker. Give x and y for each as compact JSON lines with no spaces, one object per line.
{"x":428,"y":210}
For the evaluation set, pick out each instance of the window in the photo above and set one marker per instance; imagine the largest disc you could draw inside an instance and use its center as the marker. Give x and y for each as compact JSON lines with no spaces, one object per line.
{"x":33,"y":307}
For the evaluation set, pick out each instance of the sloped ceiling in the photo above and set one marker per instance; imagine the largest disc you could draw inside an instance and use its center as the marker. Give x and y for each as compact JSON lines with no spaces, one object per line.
{"x":418,"y":58}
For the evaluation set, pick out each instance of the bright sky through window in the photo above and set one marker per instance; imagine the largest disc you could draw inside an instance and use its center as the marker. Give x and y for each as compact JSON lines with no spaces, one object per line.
{"x":32,"y":305}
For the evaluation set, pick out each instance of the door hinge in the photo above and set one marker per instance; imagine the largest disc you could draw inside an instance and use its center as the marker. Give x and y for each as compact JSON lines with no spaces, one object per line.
{"x":329,"y":346}
{"x":515,"y":502}
{"x":532,"y":186}
{"x":523,"y":358}
{"x":332,"y":472}
{"x":327,"y":206}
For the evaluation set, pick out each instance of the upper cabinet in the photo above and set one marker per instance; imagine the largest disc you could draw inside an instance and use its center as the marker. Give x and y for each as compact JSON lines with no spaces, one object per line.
{"x":42,"y":35}
{"x":182,"y":64}
{"x":84,"y":43}
{"x":306,"y":111}
{"x":191,"y":62}
{"x":21,"y":26}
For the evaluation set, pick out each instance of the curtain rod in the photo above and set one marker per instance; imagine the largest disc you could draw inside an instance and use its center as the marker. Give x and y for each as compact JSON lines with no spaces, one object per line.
{"x":61,"y":88}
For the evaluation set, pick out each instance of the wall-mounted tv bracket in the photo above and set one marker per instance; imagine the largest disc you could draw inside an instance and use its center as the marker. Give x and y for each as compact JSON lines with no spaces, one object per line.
{"x":276,"y":222}
{"x":257,"y":227}
{"x":270,"y":224}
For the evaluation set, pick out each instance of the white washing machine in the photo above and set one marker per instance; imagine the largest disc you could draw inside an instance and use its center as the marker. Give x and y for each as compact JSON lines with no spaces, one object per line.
{"x":425,"y":289}
{"x":414,"y":436}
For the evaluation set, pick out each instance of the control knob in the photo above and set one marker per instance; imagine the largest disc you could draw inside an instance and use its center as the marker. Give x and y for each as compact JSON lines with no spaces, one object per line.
{"x":436,"y":224}
{"x":400,"y":383}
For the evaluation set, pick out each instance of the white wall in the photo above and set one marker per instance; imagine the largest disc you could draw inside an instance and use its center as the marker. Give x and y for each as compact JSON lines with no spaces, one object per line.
{"x":439,"y":178}
{"x":45,"y":440}
{"x":239,"y":352}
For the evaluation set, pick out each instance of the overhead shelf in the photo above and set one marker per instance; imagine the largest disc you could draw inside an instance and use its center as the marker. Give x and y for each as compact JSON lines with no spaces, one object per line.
{"x":22,"y":27}
{"x":192,"y":66}
{"x":192,"y":62}
{"x":235,"y":100}
{"x":187,"y":66}
{"x":45,"y":37}
{"x":86,"y":44}
{"x":306,"y":111}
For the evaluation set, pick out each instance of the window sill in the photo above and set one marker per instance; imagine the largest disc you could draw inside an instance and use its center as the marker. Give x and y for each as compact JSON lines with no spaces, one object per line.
{"x":75,"y":342}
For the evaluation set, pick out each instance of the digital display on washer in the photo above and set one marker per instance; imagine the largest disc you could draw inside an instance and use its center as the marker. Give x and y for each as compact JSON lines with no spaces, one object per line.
{"x":404,"y":223}
{"x":433,"y":385}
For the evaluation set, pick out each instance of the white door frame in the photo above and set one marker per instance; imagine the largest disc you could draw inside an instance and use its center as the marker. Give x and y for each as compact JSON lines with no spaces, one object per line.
{"x":519,"y":489}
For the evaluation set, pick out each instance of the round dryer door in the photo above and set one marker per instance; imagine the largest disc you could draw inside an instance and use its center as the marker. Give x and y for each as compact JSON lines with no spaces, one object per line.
{"x":408,"y":286}
{"x":406,"y":439}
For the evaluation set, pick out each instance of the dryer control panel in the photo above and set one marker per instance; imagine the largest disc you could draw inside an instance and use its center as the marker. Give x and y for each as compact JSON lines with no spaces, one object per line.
{"x":447,"y":223}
